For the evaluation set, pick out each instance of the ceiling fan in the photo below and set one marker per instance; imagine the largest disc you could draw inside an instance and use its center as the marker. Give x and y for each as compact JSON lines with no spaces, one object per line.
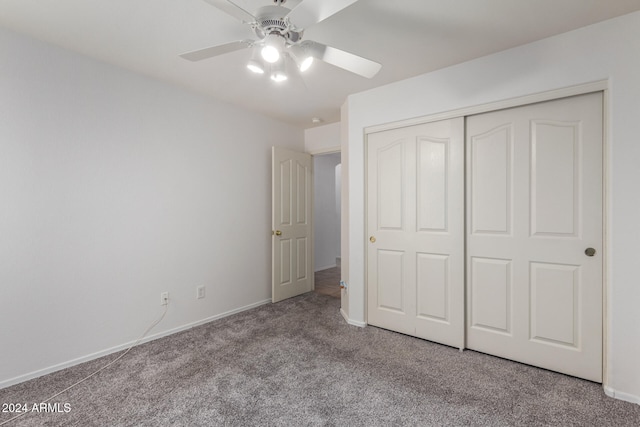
{"x":279,"y":32}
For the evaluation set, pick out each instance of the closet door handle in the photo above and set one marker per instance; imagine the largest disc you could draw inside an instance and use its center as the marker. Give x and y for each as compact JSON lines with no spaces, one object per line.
{"x":589,"y":252}
{"x":372,"y":239}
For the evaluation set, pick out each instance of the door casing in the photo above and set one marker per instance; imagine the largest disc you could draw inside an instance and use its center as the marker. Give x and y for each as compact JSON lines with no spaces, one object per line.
{"x":329,"y":150}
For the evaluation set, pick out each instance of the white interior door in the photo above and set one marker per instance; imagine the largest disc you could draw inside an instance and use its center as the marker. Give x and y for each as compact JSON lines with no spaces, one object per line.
{"x":291,"y":248}
{"x":415,"y":256}
{"x":534,"y":207}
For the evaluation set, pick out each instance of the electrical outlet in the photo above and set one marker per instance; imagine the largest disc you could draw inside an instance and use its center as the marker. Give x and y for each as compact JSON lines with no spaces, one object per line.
{"x":200,"y":292}
{"x":164,"y":298}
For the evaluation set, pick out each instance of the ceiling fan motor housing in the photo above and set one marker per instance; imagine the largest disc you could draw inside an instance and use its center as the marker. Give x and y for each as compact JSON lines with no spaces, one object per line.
{"x":271,"y":20}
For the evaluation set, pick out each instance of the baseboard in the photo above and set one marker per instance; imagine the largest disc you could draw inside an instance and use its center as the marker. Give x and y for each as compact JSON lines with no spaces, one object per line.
{"x":621,"y":396}
{"x":220,"y":316}
{"x":96,"y":355}
{"x":352,"y":322}
{"x":326,"y":267}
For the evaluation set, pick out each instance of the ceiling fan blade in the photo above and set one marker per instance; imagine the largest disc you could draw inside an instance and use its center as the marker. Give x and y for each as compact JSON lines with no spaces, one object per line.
{"x":345,"y":60}
{"x":233,"y":10}
{"x":310,"y":12}
{"x":210,"y":52}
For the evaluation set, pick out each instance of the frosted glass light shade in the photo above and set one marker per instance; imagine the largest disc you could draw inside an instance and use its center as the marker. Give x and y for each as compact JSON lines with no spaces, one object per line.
{"x":273,"y":45}
{"x":278,"y":76}
{"x":270,"y":54}
{"x":305,"y":64}
{"x":255,"y":67}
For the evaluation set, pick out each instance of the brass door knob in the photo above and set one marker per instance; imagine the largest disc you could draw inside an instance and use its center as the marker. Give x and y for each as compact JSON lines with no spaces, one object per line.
{"x":278,"y":233}
{"x":372,"y":239}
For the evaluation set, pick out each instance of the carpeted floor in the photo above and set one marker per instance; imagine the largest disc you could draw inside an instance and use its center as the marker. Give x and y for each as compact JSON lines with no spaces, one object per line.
{"x":297,"y":363}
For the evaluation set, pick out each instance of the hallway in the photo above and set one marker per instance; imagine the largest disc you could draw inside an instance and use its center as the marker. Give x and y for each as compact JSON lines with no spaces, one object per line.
{"x":328,"y":282}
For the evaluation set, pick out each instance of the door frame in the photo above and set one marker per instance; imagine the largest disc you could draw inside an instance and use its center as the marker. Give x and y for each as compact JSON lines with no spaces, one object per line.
{"x":582,"y":89}
{"x":314,"y":153}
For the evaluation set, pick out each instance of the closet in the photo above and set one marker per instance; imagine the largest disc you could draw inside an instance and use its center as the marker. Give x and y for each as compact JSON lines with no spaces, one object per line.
{"x":485,"y":232}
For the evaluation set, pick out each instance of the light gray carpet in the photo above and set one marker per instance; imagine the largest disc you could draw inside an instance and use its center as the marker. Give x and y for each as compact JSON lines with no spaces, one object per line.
{"x":297,"y":363}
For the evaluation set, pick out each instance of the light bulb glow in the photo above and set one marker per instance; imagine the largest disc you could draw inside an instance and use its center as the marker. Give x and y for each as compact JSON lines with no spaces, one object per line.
{"x":278,"y":76}
{"x":270,"y":54}
{"x":255,"y":67}
{"x":306,"y":63}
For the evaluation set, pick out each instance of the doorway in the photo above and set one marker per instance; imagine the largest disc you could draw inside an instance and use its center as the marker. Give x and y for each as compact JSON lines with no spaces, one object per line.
{"x":327,"y":173}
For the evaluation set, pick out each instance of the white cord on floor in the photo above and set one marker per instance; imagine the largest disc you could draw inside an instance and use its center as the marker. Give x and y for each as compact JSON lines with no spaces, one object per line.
{"x":99,"y":370}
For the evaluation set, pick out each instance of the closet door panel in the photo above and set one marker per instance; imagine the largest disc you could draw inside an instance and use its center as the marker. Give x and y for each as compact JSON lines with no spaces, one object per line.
{"x":415,"y":206}
{"x":542,"y":221}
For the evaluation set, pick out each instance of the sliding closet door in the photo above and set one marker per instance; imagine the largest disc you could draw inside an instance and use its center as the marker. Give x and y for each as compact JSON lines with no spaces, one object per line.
{"x":415,"y":225}
{"x":534,"y":266}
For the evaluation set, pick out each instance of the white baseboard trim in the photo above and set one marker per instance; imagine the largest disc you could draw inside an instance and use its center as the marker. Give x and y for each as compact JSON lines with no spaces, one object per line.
{"x":326,"y":268}
{"x":621,"y":396}
{"x":96,"y":355}
{"x":352,"y":322}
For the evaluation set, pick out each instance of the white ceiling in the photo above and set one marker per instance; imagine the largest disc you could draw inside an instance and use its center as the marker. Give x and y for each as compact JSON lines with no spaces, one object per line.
{"x":408,"y":37}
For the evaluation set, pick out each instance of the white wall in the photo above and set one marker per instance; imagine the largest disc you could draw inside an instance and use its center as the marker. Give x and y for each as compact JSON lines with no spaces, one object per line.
{"x":326,"y":216}
{"x":113,"y":188}
{"x":322,"y":139}
{"x":608,"y":50}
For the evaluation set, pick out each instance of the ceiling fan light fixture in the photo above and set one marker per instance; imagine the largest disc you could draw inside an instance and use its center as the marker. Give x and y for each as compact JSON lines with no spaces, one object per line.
{"x":279,"y":76}
{"x":273,"y":44}
{"x":305,"y":64}
{"x":270,"y":54}
{"x":278,"y":72}
{"x":302,"y":57}
{"x":255,"y":66}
